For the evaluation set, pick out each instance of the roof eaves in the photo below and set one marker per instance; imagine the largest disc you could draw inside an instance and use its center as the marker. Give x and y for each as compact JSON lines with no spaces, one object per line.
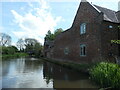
{"x":96,"y":8}
{"x":112,"y":21}
{"x":106,"y":18}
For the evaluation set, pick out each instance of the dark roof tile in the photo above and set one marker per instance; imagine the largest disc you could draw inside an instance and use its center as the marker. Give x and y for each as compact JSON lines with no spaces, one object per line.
{"x":109,"y":15}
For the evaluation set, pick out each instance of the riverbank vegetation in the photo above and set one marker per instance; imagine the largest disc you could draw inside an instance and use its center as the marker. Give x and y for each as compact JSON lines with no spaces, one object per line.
{"x":10,"y":51}
{"x":23,"y":47}
{"x":30,"y":46}
{"x":14,"y":55}
{"x":106,"y":75}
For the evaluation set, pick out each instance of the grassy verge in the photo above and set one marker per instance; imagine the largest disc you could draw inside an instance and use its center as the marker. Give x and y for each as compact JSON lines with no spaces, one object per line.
{"x":13,"y":55}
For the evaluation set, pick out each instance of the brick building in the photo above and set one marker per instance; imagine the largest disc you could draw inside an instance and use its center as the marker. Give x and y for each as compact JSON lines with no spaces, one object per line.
{"x":89,"y":38}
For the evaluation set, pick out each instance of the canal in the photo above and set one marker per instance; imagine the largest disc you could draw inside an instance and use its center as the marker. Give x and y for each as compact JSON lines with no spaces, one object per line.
{"x":36,"y":73}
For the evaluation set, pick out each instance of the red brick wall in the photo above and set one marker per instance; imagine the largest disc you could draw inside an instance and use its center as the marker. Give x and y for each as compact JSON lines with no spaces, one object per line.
{"x":72,"y":38}
{"x":108,"y":34}
{"x":97,"y":37}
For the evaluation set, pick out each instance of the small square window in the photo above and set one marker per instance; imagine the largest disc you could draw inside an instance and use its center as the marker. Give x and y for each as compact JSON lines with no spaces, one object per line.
{"x":66,"y":51}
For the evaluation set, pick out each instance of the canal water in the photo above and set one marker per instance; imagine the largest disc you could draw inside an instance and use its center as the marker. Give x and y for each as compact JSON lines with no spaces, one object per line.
{"x":36,"y":73}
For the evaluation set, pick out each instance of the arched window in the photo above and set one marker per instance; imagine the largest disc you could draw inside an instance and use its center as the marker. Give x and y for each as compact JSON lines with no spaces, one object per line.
{"x":83,"y":28}
{"x":82,"y":50}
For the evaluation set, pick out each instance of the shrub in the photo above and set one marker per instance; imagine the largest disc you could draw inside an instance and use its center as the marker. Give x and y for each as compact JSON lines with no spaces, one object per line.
{"x":106,"y":75}
{"x":9,"y":50}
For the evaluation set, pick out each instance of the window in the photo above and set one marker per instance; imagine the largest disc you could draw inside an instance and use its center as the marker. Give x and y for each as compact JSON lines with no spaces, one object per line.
{"x":110,"y":26}
{"x":82,"y":50}
{"x":83,"y":28}
{"x":66,"y":51}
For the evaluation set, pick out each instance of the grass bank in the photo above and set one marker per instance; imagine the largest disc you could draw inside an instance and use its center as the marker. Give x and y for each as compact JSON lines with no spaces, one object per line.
{"x":13,"y":55}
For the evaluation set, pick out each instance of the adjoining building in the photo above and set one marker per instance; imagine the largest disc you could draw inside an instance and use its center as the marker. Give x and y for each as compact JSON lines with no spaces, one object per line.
{"x":89,"y":38}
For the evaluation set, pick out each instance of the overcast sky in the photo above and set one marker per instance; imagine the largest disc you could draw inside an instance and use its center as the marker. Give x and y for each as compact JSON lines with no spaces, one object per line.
{"x":33,"y":18}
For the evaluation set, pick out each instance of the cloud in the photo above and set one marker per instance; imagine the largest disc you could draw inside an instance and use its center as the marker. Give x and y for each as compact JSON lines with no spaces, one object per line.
{"x":36,"y":22}
{"x":58,"y":0}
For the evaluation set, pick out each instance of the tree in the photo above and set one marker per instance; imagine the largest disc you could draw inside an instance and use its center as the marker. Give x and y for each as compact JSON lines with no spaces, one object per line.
{"x":9,"y":50}
{"x":15,"y":48}
{"x":38,"y":49}
{"x":33,"y":47}
{"x":58,"y":31}
{"x":12,"y":49}
{"x":5,"y":39}
{"x":21,"y":44}
{"x":4,"y":50}
{"x":30,"y":41}
{"x":50,"y":37}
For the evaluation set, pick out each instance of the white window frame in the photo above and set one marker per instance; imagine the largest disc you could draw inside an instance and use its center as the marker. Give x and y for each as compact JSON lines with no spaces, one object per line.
{"x":82,"y":50}
{"x":83,"y":28}
{"x":66,"y":51}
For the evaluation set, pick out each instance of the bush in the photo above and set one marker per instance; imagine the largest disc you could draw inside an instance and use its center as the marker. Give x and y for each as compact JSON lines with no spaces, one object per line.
{"x":4,"y":50}
{"x":9,"y":50}
{"x":106,"y":75}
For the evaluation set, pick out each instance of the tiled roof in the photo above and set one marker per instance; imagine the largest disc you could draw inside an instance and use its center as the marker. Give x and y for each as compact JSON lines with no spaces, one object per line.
{"x":109,"y":15}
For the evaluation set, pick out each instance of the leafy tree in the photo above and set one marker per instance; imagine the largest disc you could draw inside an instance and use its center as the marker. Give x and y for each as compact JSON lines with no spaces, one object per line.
{"x":30,"y":41}
{"x":33,"y":47}
{"x":4,"y":50}
{"x":20,"y":44}
{"x":50,"y":37}
{"x":30,"y":46}
{"x":38,"y":49}
{"x":58,"y":31}
{"x":9,"y":50}
{"x":5,"y":39}
{"x":15,"y":48}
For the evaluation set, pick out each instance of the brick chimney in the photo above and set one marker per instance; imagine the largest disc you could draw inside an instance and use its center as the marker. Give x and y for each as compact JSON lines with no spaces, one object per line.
{"x":83,"y":0}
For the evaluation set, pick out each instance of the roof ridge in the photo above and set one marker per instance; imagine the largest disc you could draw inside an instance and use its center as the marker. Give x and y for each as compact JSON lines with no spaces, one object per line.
{"x":105,"y":8}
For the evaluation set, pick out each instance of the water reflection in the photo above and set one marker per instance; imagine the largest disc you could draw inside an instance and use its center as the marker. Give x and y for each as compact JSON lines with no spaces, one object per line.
{"x":66,"y":78}
{"x":23,"y":73}
{"x":35,"y":73}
